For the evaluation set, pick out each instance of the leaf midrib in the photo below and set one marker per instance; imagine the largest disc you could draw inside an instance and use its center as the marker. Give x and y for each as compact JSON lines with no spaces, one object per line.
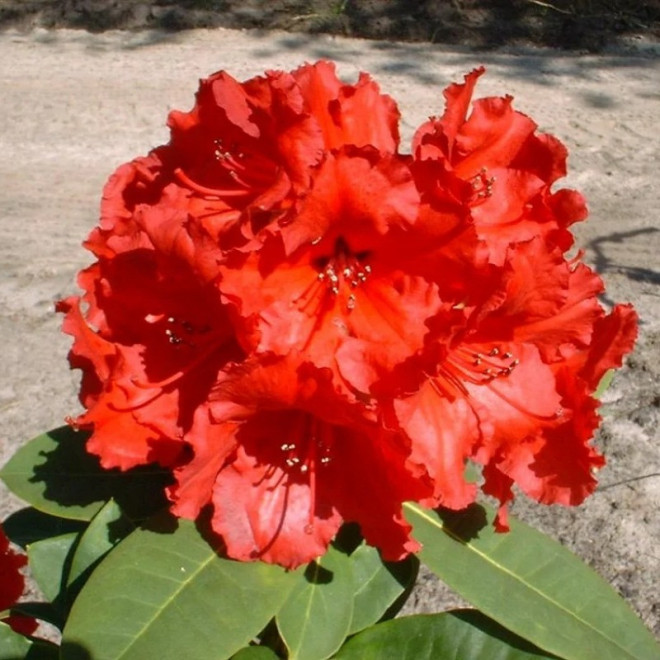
{"x":308,"y":608}
{"x":422,"y":513}
{"x":166,"y":603}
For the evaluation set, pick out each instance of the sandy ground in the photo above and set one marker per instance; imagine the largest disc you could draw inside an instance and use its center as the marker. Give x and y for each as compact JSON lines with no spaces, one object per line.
{"x":75,"y":105}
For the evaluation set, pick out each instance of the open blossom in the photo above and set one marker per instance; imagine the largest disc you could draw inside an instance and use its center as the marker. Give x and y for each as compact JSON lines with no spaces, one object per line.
{"x":512,"y":390}
{"x":309,"y":327}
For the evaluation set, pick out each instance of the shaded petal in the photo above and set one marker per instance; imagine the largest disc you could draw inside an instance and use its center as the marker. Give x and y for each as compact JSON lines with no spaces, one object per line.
{"x":11,"y":580}
{"x":121,"y":440}
{"x":369,"y":485}
{"x":498,"y":485}
{"x":137,"y":182}
{"x":543,"y":155}
{"x":175,"y":238}
{"x":274,"y":382}
{"x":211,"y":446}
{"x":12,"y":585}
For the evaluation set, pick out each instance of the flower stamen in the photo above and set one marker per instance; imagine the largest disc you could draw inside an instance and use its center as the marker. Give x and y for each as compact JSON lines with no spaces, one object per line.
{"x":343,"y":268}
{"x":305,"y":457}
{"x":204,"y":190}
{"x":479,"y":368}
{"x":236,"y":165}
{"x":482,"y":187}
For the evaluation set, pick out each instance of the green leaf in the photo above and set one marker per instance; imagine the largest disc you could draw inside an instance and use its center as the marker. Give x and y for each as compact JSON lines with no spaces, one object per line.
{"x":29,"y":525}
{"x":378,"y":585}
{"x":458,"y":635}
{"x":316,"y":618}
{"x":49,"y":563}
{"x":107,"y":528}
{"x":255,"y":653}
{"x":164,"y":593}
{"x":605,"y":382}
{"x":14,"y":646}
{"x":531,"y":585}
{"x":54,"y":473}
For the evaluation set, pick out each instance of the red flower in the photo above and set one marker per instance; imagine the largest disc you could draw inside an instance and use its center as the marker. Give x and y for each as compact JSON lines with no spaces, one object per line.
{"x":309,"y":327}
{"x":288,"y":456}
{"x":504,"y":169}
{"x":345,"y":282}
{"x":513,"y":389}
{"x":160,"y":338}
{"x":12,"y":585}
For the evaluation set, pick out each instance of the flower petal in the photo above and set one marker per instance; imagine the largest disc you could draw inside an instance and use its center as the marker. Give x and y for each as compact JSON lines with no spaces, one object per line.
{"x":357,"y":193}
{"x":341,"y":109}
{"x":369,"y":485}
{"x":266,"y":510}
{"x":443,"y":434}
{"x":12,"y":585}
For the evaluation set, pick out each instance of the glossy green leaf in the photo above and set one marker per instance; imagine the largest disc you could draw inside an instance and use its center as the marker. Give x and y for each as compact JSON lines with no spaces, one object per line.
{"x":164,"y":593}
{"x":49,"y":563}
{"x":531,"y":585}
{"x":107,"y":528}
{"x":316,"y":618}
{"x":54,"y":473}
{"x":255,"y":653}
{"x":17,"y":647}
{"x":459,"y":635}
{"x":378,"y":584}
{"x":29,"y":525}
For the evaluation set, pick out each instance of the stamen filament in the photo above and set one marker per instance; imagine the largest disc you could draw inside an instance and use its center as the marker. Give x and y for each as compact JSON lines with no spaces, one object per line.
{"x":203,"y":190}
{"x":311,"y":462}
{"x":179,"y":374}
{"x":263,"y":173}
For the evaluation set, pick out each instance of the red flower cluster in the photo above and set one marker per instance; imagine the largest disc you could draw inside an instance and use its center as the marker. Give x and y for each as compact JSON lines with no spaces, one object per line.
{"x":12,"y":585}
{"x":309,"y":327}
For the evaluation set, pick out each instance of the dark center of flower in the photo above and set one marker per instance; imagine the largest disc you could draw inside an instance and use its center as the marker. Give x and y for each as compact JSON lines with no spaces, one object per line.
{"x":183,"y":332}
{"x":238,"y":172}
{"x":199,"y":344}
{"x":247,"y":168}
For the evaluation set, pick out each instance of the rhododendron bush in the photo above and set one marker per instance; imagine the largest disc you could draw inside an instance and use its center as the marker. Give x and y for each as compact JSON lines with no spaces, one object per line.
{"x":304,"y":355}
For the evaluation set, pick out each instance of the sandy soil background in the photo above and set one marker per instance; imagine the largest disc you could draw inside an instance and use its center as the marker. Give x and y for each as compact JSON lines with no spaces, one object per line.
{"x":76,"y":105}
